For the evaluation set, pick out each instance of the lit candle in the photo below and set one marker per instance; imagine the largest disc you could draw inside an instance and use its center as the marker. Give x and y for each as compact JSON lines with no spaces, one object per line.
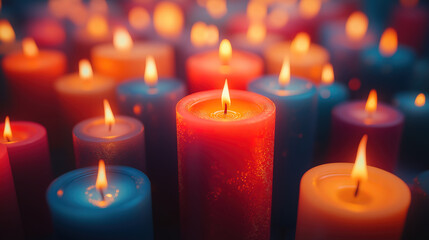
{"x":306,"y":58}
{"x":385,"y":67}
{"x":80,"y":93}
{"x":8,"y":42}
{"x":28,"y":150}
{"x":153,"y":101}
{"x":296,"y":102}
{"x":207,"y":70}
{"x":351,"y":120}
{"x":228,"y":194}
{"x":118,"y":140}
{"x":124,"y":59}
{"x":10,"y":219}
{"x":113,"y":203}
{"x":346,"y":201}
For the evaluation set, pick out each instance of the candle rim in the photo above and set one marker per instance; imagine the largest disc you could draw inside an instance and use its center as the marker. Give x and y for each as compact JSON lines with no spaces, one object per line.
{"x":38,"y":132}
{"x":140,"y":50}
{"x":273,"y":78}
{"x":280,"y":49}
{"x":175,"y":83}
{"x":62,"y":84}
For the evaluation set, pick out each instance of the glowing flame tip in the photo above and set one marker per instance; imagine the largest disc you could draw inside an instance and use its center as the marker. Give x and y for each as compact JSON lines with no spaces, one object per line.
{"x":225,"y":99}
{"x":101,"y":182}
{"x":284,"y":76}
{"x":29,"y":47}
{"x":371,"y":103}
{"x":360,"y":171}
{"x":420,"y":100}
{"x":85,"y":69}
{"x":109,"y":118}
{"x":150,"y":73}
{"x":7,"y":132}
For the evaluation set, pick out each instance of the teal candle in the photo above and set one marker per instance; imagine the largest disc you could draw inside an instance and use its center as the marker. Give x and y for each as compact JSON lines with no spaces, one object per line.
{"x":78,"y":211}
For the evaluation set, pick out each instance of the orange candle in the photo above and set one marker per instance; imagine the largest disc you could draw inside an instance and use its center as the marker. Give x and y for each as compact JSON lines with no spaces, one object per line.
{"x":346,"y":201}
{"x":7,"y":38}
{"x":306,"y":59}
{"x":124,"y":59}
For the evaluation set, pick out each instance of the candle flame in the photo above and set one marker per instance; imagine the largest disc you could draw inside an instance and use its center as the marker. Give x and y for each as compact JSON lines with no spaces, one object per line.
{"x":150,"y":73}
{"x":256,"y":10}
{"x":85,"y":69}
{"x":301,"y":43}
{"x":7,"y":35}
{"x":371,"y":103}
{"x":122,"y":40}
{"x":225,"y":52}
{"x":359,"y":171}
{"x":97,"y":26}
{"x":225,"y":99}
{"x":139,"y":18}
{"x":168,"y":19}
{"x":409,"y":3}
{"x":328,"y":74}
{"x":356,"y":26}
{"x":309,"y":8}
{"x":101,"y":183}
{"x":388,"y":42}
{"x":216,"y":8}
{"x":284,"y":76}
{"x":256,"y":32}
{"x":7,"y":132}
{"x":109,"y":118}
{"x":29,"y":47}
{"x":420,"y":100}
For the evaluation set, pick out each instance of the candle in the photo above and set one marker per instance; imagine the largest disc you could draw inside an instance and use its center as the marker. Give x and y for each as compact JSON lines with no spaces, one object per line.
{"x":386,"y":67}
{"x":296,"y":102}
{"x":153,"y":102}
{"x":10,"y":219}
{"x":80,"y":94}
{"x":414,"y":143}
{"x":346,"y":201}
{"x":381,"y":122}
{"x":228,"y":194}
{"x":117,"y":140}
{"x":207,"y":70}
{"x":114,"y":203}
{"x":306,"y":58}
{"x":123,"y":59}
{"x":28,"y":150}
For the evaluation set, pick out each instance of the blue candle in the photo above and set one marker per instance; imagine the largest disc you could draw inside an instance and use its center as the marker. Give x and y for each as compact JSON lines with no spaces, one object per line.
{"x":154,"y":103}
{"x":79,"y":212}
{"x":415,"y":141}
{"x":296,"y":102}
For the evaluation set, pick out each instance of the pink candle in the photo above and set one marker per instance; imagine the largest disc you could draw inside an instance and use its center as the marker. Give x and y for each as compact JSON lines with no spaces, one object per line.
{"x":28,"y":150}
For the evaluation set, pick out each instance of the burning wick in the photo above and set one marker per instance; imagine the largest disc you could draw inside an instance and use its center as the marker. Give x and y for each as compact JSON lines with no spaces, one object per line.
{"x":357,"y":188}
{"x":359,"y":171}
{"x":7,"y":133}
{"x":226,"y":100}
{"x":101,"y":182}
{"x":109,"y":119}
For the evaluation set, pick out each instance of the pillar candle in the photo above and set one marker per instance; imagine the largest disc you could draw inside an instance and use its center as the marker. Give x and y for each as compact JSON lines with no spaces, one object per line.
{"x":10,"y":218}
{"x":28,"y":150}
{"x":381,"y":122}
{"x":346,"y":201}
{"x":414,"y":144}
{"x":306,"y":58}
{"x":207,"y":71}
{"x":124,"y":59}
{"x":117,"y":140}
{"x":296,"y":102}
{"x":153,"y":102}
{"x":79,"y":212}
{"x":386,"y":67}
{"x":225,"y":165}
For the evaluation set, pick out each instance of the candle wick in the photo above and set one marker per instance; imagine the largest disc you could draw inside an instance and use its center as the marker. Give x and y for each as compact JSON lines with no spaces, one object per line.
{"x":102,"y":194}
{"x":226,"y":109}
{"x":7,"y":139}
{"x":357,"y":188}
{"x":110,"y":127}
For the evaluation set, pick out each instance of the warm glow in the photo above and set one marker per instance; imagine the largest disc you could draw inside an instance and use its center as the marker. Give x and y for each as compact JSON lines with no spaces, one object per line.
{"x":198,"y":34}
{"x":256,"y":10}
{"x":284,"y":76}
{"x":216,"y":8}
{"x":97,"y":26}
{"x":328,"y":74}
{"x":168,"y":19}
{"x":301,"y":43}
{"x":85,"y":69}
{"x":150,"y":73}
{"x":309,"y":8}
{"x":29,"y":47}
{"x":122,"y":40}
{"x":139,"y":18}
{"x":212,"y":35}
{"x":360,"y":172}
{"x":356,"y":26}
{"x":371,"y":103}
{"x":7,"y":34}
{"x":226,"y":100}
{"x":277,"y":18}
{"x":225,"y":52}
{"x":388,"y":42}
{"x":7,"y":132}
{"x":420,"y":100}
{"x":101,"y":183}
{"x":256,"y":32}
{"x":109,"y":119}
{"x":409,"y":3}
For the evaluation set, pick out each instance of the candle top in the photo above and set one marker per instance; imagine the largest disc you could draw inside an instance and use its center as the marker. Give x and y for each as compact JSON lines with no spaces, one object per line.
{"x":22,"y":133}
{"x":74,"y":84}
{"x":339,"y":38}
{"x":315,"y":54}
{"x":137,"y":87}
{"x":139,"y":50}
{"x":270,"y":84}
{"x":45,"y":59}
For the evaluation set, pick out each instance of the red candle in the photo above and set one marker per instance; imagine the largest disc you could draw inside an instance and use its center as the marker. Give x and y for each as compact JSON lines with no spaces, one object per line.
{"x":10,"y":220}
{"x":207,"y":71}
{"x":28,"y":150}
{"x":225,"y":151}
